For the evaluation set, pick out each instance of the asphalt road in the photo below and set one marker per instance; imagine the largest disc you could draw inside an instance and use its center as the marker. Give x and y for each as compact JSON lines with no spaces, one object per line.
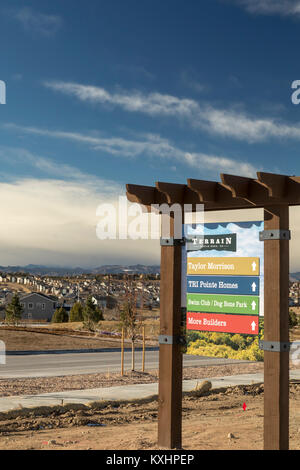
{"x":49,"y":365}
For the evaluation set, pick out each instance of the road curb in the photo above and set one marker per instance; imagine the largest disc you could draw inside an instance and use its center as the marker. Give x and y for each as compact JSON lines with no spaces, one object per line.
{"x":75,"y":351}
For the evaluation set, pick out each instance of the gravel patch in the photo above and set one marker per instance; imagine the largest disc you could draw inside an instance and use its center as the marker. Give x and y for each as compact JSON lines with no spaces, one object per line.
{"x":37,"y":385}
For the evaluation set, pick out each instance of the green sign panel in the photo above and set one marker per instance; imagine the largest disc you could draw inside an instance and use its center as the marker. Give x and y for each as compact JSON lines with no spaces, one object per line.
{"x":242,"y":304}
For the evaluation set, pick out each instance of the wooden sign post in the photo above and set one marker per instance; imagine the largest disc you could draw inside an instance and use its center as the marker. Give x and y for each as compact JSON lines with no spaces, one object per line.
{"x":274,"y":193}
{"x":170,"y":356}
{"x":276,"y":325}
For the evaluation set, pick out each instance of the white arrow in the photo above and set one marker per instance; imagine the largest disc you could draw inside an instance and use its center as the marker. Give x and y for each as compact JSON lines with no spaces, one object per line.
{"x":253,"y":305}
{"x":253,"y":266}
{"x":253,"y":325}
{"x":253,"y":287}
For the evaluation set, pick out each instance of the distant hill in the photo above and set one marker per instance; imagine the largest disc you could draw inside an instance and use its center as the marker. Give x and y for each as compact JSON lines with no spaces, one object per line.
{"x":104,"y":269}
{"x":63,"y":271}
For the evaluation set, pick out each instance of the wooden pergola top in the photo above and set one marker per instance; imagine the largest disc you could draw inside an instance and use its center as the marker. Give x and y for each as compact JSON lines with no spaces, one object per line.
{"x":233,"y":192}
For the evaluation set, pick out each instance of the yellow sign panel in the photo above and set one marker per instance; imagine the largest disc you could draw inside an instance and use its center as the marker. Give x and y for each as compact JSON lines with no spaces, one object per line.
{"x":238,"y":266}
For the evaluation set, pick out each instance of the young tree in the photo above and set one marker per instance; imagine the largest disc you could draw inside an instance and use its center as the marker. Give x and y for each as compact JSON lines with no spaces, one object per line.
{"x":60,"y":316}
{"x":76,"y":313}
{"x":14,"y":310}
{"x":129,"y":321}
{"x":92,"y":314}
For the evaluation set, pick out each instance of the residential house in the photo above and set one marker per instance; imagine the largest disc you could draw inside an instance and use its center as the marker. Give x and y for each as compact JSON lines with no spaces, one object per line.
{"x":38,"y":306}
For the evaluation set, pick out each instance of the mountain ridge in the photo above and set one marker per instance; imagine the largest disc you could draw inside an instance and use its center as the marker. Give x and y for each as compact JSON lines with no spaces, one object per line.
{"x":65,"y":270}
{"x":103,"y":269}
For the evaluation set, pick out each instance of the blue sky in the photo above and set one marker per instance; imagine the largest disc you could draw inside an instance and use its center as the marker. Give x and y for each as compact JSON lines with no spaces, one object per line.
{"x":104,"y":93}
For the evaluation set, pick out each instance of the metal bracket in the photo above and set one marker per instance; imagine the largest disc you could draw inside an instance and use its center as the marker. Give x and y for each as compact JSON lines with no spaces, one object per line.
{"x":276,"y":346}
{"x":172,"y":241}
{"x":165,"y":339}
{"x":274,"y":235}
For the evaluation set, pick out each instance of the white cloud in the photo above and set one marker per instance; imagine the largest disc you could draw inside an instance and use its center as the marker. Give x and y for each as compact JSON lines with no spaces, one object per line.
{"x":152,"y":146}
{"x":226,"y":123}
{"x":153,"y":103}
{"x":53,"y":220}
{"x":271,"y":7}
{"x":37,"y":22}
{"x":242,"y":127}
{"x":16,"y":155}
{"x":219,"y":164}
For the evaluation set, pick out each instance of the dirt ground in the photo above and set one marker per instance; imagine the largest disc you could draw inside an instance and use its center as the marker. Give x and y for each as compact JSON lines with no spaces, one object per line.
{"x":70,"y":336}
{"x":36,"y":385}
{"x":207,"y":423}
{"x":36,"y":341}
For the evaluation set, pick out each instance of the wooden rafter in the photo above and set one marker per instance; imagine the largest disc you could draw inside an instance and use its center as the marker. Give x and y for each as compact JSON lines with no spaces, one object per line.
{"x":145,"y":195}
{"x":206,"y":190}
{"x":173,"y":192}
{"x":275,"y":184}
{"x":238,"y":185}
{"x":233,"y":192}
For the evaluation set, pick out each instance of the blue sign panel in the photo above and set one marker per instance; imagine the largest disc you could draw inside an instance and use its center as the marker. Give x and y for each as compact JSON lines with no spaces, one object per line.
{"x":239,"y":285}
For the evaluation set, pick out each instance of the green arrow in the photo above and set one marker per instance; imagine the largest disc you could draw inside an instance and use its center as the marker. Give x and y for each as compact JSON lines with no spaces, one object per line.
{"x":243,"y":304}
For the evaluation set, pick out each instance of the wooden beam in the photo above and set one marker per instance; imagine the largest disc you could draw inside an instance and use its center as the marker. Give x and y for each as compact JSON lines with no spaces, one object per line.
{"x":275,"y":184}
{"x":178,"y":194}
{"x":216,"y":196}
{"x":238,"y":185}
{"x":140,"y":194}
{"x":146,"y":195}
{"x":293,"y":188}
{"x":276,"y":328}
{"x":170,"y":355}
{"x":206,"y":190}
{"x":173,"y":192}
{"x":234,"y":193}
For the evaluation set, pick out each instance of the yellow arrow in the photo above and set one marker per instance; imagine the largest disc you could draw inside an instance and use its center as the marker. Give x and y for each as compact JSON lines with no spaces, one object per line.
{"x":235,"y":266}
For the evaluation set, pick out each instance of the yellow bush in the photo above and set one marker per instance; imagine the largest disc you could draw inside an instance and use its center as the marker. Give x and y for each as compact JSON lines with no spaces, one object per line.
{"x":202,"y":348}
